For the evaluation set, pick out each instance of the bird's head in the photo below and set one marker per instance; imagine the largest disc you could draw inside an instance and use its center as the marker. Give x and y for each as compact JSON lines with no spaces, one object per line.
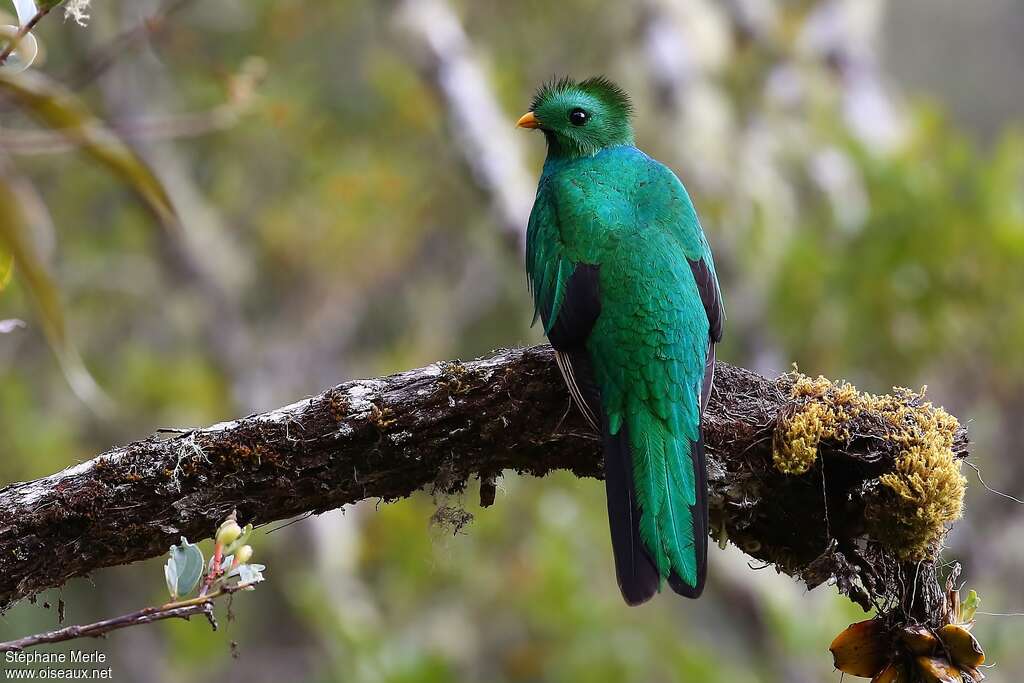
{"x":580,"y":119}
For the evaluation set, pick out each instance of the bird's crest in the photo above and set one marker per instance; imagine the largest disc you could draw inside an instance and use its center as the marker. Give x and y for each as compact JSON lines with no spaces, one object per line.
{"x":610,"y":93}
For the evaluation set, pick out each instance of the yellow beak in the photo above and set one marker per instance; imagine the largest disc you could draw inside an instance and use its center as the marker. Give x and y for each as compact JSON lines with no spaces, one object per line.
{"x":527,"y":120}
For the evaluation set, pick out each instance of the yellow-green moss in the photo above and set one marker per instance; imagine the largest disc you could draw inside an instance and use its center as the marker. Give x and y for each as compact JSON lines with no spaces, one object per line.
{"x":925,"y":490}
{"x":822,"y":410}
{"x":928,"y":486}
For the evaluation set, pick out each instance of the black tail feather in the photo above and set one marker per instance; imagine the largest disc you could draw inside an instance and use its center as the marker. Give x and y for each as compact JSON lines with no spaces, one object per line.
{"x":700,"y":527}
{"x":636,"y":573}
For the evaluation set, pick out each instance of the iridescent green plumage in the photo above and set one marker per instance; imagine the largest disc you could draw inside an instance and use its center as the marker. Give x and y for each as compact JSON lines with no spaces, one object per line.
{"x":623,"y":279}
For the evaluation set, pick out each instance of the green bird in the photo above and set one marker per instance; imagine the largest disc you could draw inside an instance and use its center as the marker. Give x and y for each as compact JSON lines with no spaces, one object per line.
{"x":623,"y":280}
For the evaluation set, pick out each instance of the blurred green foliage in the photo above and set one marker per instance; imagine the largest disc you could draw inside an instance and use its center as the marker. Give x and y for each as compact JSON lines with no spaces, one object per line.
{"x":927,"y":273}
{"x":332,"y":231}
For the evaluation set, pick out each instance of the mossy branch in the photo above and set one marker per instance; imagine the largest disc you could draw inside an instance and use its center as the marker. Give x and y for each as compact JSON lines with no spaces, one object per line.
{"x":437,"y":427}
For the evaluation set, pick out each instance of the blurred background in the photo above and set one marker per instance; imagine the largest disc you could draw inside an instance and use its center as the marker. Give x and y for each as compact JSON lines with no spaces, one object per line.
{"x":353,"y":197}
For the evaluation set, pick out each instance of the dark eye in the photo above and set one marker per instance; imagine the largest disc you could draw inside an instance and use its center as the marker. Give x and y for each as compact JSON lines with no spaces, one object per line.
{"x":578,"y":117}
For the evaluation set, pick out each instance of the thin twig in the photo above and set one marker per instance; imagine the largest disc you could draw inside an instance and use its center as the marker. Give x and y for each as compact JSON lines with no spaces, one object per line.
{"x":22,"y":32}
{"x":182,"y":609}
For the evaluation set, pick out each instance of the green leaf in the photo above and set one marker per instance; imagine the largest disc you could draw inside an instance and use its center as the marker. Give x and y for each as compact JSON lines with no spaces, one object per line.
{"x":15,"y":234}
{"x":61,"y":110}
{"x":20,"y":210}
{"x":969,"y":606}
{"x":6,"y":268}
{"x":187,"y":560}
{"x":171,"y":577}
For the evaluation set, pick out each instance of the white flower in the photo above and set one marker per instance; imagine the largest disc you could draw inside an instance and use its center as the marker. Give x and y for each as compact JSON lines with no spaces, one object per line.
{"x":26,"y":9}
{"x":75,"y":9}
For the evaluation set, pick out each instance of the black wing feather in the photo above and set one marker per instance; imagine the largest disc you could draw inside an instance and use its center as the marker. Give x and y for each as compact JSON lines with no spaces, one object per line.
{"x":568,"y":335}
{"x":580,"y":307}
{"x":709,"y":379}
{"x":707,"y":285}
{"x":579,"y":377}
{"x":635,"y":571}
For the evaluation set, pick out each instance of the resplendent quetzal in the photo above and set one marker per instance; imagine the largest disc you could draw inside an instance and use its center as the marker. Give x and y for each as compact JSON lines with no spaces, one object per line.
{"x":623,"y":280}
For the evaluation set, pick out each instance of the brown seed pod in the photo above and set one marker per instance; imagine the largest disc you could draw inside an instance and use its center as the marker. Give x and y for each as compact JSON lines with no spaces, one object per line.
{"x":861,"y":649}
{"x":938,"y":670}
{"x":919,"y":640}
{"x":892,"y":673}
{"x":962,"y":646}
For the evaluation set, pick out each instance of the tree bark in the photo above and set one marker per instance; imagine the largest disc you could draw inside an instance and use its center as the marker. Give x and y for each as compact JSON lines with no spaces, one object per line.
{"x":435,"y":428}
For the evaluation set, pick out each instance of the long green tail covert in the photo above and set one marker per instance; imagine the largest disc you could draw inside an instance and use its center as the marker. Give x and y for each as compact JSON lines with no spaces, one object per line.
{"x":623,"y":280}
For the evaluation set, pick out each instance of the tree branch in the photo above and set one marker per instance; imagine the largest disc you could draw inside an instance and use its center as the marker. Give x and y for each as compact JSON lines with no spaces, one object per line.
{"x":183,"y":609}
{"x":435,"y":428}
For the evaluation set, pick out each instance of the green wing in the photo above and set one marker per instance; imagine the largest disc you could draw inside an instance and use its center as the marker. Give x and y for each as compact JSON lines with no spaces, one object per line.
{"x":548,"y":265}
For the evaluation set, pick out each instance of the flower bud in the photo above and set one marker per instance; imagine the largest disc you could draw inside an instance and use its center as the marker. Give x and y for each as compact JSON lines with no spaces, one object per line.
{"x":228,"y":532}
{"x":243,"y":554}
